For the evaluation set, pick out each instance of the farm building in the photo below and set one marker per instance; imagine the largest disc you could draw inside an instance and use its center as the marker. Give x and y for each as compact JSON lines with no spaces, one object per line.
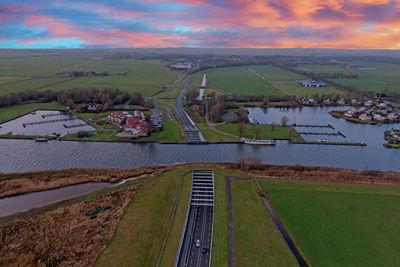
{"x":310,"y":83}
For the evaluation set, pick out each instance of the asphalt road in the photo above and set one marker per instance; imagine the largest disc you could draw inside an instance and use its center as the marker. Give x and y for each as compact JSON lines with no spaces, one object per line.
{"x":199,"y":225}
{"x":192,"y":131}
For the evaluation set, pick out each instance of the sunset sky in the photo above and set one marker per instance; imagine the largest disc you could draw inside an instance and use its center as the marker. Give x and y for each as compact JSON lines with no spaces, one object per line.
{"x":366,"y":24}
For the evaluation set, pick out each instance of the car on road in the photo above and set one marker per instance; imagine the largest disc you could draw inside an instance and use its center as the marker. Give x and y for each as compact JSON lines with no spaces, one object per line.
{"x":204,"y":249}
{"x":197,"y":243}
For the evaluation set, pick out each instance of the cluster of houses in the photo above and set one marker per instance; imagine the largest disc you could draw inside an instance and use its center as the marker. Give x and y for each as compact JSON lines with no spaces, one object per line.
{"x":82,"y":73}
{"x":374,"y":111}
{"x":328,"y":102}
{"x":393,"y":136}
{"x":132,"y":122}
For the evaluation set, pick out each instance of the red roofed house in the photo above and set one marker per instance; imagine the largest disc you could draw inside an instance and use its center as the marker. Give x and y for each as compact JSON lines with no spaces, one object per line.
{"x":116,"y":118}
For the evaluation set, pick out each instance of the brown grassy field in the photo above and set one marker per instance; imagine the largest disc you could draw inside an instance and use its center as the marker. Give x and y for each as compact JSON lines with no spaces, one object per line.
{"x":64,"y":236}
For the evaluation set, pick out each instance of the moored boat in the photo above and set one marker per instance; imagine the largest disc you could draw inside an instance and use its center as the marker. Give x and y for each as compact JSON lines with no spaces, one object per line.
{"x":40,"y":140}
{"x":259,"y":142}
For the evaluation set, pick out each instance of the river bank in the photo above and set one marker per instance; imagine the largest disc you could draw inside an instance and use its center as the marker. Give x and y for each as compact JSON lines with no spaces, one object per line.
{"x":26,"y":182}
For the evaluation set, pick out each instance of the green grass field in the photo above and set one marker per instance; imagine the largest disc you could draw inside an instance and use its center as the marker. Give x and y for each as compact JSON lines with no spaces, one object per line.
{"x":32,"y":84}
{"x":11,"y":112}
{"x":241,"y":81}
{"x":385,"y":77}
{"x":266,"y":132}
{"x":257,"y":240}
{"x":285,"y":80}
{"x":143,"y":76}
{"x":340,"y":224}
{"x":140,"y":236}
{"x":211,"y":135}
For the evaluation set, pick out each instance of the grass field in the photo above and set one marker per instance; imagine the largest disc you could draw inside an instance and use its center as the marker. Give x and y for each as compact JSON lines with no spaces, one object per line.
{"x":340,"y":225}
{"x":385,"y":77}
{"x":241,"y":81}
{"x":11,"y":112}
{"x":266,"y":132}
{"x":285,"y":80}
{"x":220,"y":232}
{"x":211,"y":135}
{"x":141,"y":233}
{"x":143,"y":76}
{"x":32,"y":84}
{"x":169,"y":133}
{"x":257,"y":240}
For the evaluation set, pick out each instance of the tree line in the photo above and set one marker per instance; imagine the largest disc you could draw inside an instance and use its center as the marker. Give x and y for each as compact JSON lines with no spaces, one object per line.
{"x":76,"y":98}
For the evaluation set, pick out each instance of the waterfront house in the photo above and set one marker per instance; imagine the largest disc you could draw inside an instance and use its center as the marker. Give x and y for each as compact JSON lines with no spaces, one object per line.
{"x":369,"y":103}
{"x":341,"y":102}
{"x":364,"y":117}
{"x":378,"y":117}
{"x":392,"y":116}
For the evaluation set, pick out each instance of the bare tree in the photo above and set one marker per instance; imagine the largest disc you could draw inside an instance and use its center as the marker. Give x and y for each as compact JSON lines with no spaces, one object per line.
{"x":284,"y":120}
{"x":241,"y":128}
{"x":291,"y":131}
{"x":192,"y":95}
{"x":273,"y":126}
{"x":257,"y":131}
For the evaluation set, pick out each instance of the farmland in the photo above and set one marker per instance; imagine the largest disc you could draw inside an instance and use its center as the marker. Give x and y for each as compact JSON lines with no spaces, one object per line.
{"x":34,"y":72}
{"x":241,"y":81}
{"x":285,"y":80}
{"x":345,"y":225}
{"x":385,"y":77}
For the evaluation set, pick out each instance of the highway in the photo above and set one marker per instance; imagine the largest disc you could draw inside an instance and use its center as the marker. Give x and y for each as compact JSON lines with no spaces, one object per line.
{"x":199,"y":224}
{"x":194,"y":135}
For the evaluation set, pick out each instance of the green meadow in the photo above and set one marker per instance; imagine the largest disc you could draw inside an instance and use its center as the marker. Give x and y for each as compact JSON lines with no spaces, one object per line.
{"x":385,"y":77}
{"x":340,"y":224}
{"x":241,"y":81}
{"x":38,"y":72}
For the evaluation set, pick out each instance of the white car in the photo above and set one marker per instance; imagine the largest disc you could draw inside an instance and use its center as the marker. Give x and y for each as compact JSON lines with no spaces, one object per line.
{"x":197,"y":243}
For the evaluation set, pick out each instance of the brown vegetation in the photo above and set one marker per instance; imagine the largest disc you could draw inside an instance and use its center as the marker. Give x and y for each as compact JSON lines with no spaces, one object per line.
{"x":20,"y":183}
{"x":64,"y":236}
{"x":324,"y":174}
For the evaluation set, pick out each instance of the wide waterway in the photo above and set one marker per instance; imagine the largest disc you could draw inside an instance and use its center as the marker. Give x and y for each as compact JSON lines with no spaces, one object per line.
{"x":27,"y":155}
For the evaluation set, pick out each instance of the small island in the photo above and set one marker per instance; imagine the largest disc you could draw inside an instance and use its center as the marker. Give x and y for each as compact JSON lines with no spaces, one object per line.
{"x":392,"y":138}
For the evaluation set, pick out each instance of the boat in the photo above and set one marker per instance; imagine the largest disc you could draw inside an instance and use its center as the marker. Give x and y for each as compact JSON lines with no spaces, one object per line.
{"x":322,"y":140}
{"x":259,"y":142}
{"x":40,"y":140}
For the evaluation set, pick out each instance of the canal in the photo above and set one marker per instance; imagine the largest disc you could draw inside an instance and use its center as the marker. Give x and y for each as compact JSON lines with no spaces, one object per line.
{"x":26,"y":155}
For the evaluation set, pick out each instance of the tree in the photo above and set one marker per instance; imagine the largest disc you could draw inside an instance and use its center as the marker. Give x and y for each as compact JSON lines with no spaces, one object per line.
{"x":257,"y":131}
{"x":242,"y":113}
{"x":241,"y":128}
{"x":265,"y":100}
{"x":284,"y":120}
{"x":273,"y":126}
{"x":192,"y":95}
{"x":291,"y":131}
{"x":136,"y":99}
